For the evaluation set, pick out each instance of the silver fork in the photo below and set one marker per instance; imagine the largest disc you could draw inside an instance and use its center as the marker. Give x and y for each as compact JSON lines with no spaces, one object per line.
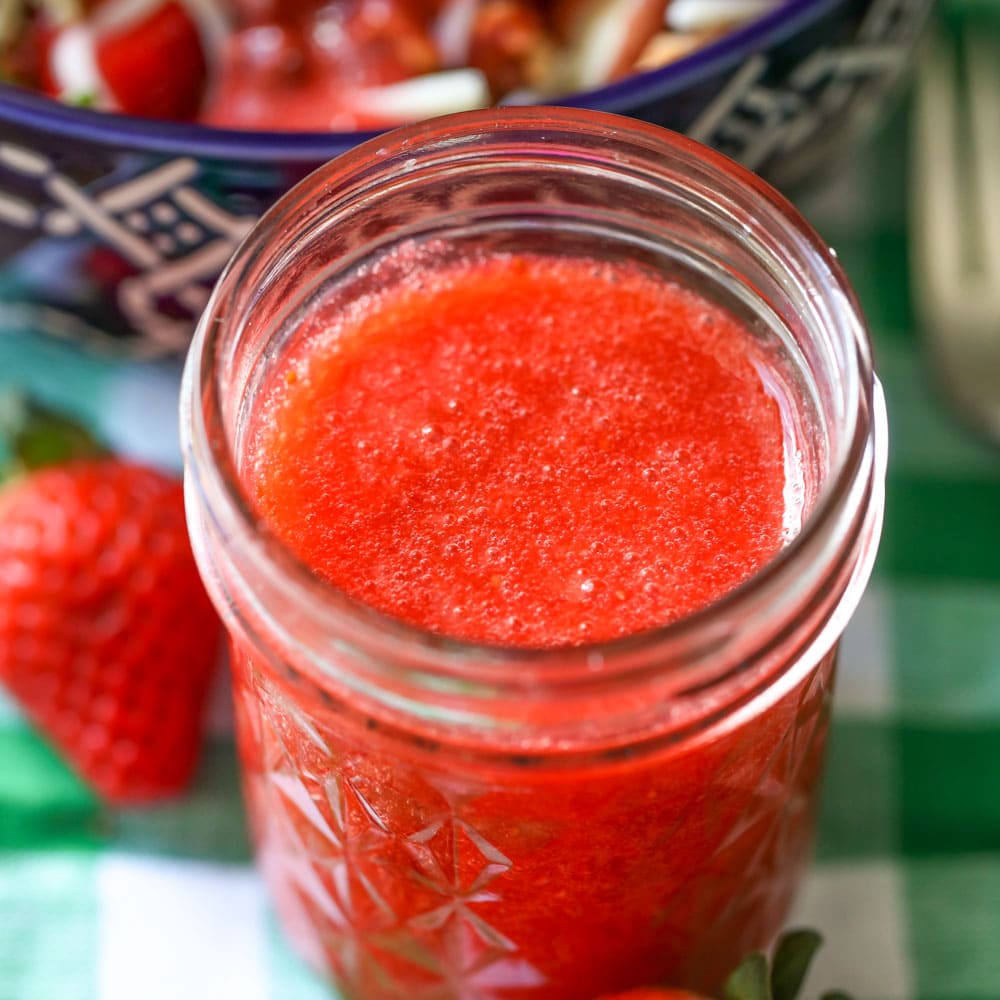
{"x":955,"y":220}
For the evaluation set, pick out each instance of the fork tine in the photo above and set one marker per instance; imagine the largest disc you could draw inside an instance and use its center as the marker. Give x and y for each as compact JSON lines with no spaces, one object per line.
{"x":983,"y":64}
{"x":936,"y":209}
{"x":958,"y":297}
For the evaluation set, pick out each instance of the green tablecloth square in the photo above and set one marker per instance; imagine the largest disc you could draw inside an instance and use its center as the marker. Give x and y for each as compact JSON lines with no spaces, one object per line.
{"x":54,"y":371}
{"x":132,"y":406}
{"x":950,"y":790}
{"x":954,"y":909}
{"x":205,"y":823}
{"x":945,"y":636}
{"x":49,"y":928}
{"x":925,"y":439}
{"x":938,"y":527}
{"x":877,"y":264}
{"x":859,"y":810}
{"x":42,"y":803}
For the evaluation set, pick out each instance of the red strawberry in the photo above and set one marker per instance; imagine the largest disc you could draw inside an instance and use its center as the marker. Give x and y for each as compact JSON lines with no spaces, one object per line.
{"x":155,"y":65}
{"x":107,"y":638}
{"x":144,"y":59}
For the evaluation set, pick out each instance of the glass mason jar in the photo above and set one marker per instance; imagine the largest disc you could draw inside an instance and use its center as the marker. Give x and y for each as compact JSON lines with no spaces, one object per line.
{"x":440,"y":819}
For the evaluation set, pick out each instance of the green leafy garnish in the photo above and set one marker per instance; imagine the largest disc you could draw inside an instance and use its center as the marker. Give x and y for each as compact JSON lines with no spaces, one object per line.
{"x":755,"y":978}
{"x":792,"y":958}
{"x":84,"y":99}
{"x":750,"y":980}
{"x":36,"y":436}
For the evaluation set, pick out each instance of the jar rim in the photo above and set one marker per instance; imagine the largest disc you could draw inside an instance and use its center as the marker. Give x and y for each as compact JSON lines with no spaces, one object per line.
{"x":212,"y":470}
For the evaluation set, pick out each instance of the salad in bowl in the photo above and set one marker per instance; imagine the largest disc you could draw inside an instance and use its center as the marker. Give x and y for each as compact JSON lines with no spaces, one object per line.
{"x":315,"y":65}
{"x":141,"y":139}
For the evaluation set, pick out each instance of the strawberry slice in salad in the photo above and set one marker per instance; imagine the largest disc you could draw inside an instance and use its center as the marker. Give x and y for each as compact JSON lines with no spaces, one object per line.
{"x":154,"y":64}
{"x":317,"y":65}
{"x":138,"y":57}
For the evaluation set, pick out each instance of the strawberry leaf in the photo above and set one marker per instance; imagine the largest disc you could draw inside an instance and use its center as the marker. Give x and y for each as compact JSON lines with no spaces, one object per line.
{"x":792,"y":957}
{"x":37,"y":436}
{"x":835,"y":995}
{"x":750,"y":980}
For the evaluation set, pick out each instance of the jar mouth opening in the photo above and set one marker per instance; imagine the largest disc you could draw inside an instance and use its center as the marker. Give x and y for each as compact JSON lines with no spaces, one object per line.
{"x":212,"y":465}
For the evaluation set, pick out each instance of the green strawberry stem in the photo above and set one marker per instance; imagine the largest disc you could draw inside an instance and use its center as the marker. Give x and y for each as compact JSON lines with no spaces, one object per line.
{"x":781,"y":979}
{"x":37,"y":436}
{"x":792,"y":959}
{"x":750,"y":980}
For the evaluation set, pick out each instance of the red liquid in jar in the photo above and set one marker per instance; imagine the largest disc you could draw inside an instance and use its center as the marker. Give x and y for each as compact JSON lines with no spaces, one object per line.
{"x":526,"y":451}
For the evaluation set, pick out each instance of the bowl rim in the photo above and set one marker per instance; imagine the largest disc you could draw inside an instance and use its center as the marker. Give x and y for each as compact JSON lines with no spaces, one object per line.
{"x":22,"y":107}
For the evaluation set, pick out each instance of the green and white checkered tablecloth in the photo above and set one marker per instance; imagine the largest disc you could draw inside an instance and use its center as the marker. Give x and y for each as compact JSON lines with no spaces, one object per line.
{"x":164,"y":903}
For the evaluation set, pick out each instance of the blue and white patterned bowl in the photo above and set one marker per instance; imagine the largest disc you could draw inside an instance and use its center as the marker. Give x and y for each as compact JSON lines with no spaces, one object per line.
{"x":112,"y":229}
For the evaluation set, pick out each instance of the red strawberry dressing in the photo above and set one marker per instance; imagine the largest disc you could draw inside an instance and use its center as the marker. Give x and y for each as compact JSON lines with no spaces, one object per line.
{"x":527,"y":451}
